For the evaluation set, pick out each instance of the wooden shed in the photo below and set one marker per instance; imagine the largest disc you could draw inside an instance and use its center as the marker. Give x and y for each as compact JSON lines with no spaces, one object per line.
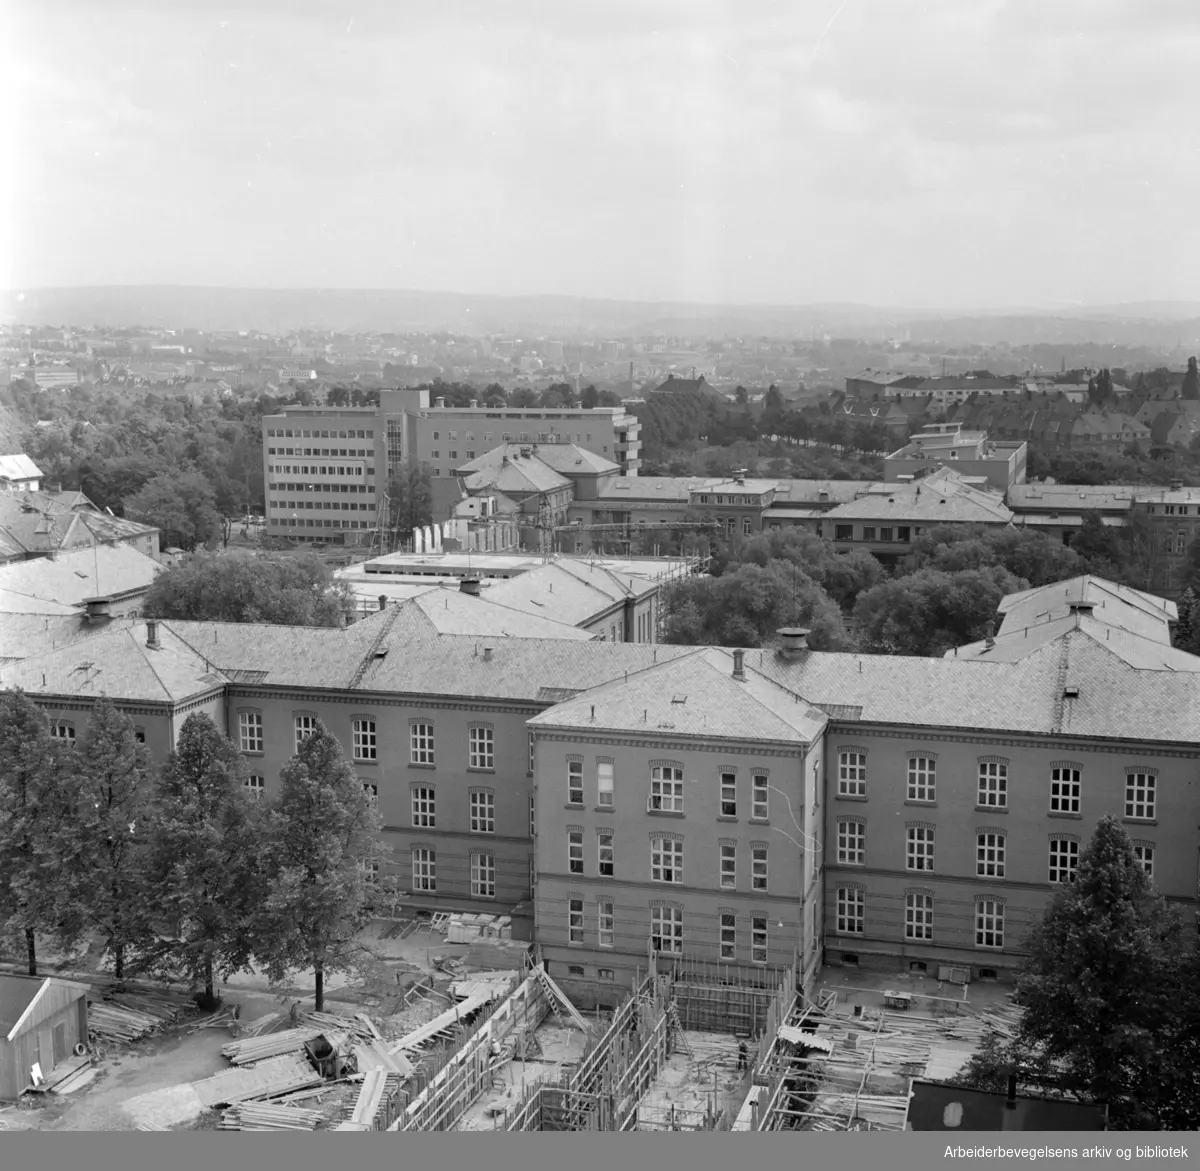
{"x":42,"y":1019}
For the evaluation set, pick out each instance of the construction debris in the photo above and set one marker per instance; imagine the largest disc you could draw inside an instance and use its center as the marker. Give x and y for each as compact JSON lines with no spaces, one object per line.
{"x":443,"y":1025}
{"x":267,"y":1079}
{"x":265,"y":1116}
{"x":249,"y":1050}
{"x":262,"y":1024}
{"x":221,"y":1019}
{"x":126,"y":1017}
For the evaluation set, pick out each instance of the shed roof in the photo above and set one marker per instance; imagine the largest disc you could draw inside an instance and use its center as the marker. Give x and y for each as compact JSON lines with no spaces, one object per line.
{"x":19,"y":993}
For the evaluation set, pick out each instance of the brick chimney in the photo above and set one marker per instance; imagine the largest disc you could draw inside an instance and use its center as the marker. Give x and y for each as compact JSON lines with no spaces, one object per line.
{"x":469,"y":585}
{"x":98,"y":611}
{"x":739,"y":666}
{"x":152,"y":634}
{"x":793,"y":642}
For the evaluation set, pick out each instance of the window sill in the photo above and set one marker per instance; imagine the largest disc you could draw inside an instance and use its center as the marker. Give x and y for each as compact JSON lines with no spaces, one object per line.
{"x":356,"y":762}
{"x":425,"y":766}
{"x":245,"y":751}
{"x":479,"y":769}
{"x":573,"y":805}
{"x":726,"y":817}
{"x":850,"y":797}
{"x":663,"y":813}
{"x":576,"y":873}
{"x":1068,"y":816}
{"x":922,"y":804}
{"x":991,"y":808}
{"x":1139,"y":820}
{"x":602,"y":808}
{"x":991,"y":877}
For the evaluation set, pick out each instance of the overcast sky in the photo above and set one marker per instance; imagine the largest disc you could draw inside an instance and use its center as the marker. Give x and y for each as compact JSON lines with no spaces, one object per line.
{"x":951,"y":153}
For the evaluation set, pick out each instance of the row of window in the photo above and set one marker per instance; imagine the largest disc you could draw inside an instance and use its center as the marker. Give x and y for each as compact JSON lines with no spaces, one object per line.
{"x":666,"y":858}
{"x":319,"y":469}
{"x":65,"y":729}
{"x":481,"y":739}
{"x":882,"y":533}
{"x":990,"y":850}
{"x":318,"y":505}
{"x":918,"y":916}
{"x":424,"y":872}
{"x":666,"y":788}
{"x":451,"y":455}
{"x":1176,"y":542}
{"x":290,"y":434}
{"x":313,"y":486}
{"x":310,"y":522}
{"x":1065,"y":795}
{"x":666,"y":929}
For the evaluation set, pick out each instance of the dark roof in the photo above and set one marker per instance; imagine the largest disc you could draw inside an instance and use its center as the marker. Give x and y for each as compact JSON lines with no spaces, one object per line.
{"x":932,"y":1107}
{"x":15,"y":994}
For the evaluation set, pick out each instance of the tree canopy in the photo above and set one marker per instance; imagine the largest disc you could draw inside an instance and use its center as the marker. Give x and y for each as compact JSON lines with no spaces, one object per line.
{"x":183,"y":506}
{"x":247,"y":587}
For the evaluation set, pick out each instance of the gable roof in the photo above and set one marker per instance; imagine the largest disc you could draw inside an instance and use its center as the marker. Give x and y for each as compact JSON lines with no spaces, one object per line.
{"x":19,"y":467}
{"x":70,"y":578}
{"x":505,"y":469}
{"x":570,"y":459}
{"x":695,"y":695}
{"x":26,"y":634}
{"x":567,"y":591}
{"x":940,"y":496}
{"x":1026,"y":606}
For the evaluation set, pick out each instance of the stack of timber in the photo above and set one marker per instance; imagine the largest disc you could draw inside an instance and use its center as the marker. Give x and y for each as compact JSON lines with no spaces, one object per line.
{"x":248,"y":1050}
{"x":262,"y":1024}
{"x":268,"y":1079}
{"x":265,"y":1116}
{"x":220,"y":1019}
{"x":444,"y":1026}
{"x":128,"y":1016}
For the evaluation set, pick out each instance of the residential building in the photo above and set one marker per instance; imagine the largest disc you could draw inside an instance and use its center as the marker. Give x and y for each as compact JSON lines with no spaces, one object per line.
{"x":1058,"y":510}
{"x":35,"y":525}
{"x":113,"y":579}
{"x":970,"y":453}
{"x":1174,"y":514}
{"x":18,"y":473}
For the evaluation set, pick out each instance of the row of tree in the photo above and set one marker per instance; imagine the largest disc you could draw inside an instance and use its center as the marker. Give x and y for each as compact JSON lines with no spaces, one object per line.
{"x":179,"y":871}
{"x":1111,"y":998}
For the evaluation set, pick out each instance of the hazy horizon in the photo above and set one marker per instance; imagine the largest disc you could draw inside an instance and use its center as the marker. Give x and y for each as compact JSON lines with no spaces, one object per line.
{"x":923,"y":158}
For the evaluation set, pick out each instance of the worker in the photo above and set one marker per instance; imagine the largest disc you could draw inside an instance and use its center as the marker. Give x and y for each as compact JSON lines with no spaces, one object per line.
{"x":743,"y":1057}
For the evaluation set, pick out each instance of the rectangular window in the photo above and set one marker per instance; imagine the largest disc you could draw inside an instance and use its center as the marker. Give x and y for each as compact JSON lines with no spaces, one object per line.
{"x":728,"y":866}
{"x":604,"y":849}
{"x":666,"y":789}
{"x":1139,"y":795}
{"x":1064,"y":857}
{"x":420,"y":739}
{"x":604,"y":784}
{"x":918,"y":853}
{"x":729,"y":794}
{"x":758,"y":867}
{"x":424,"y":869}
{"x":305,"y":727}
{"x":575,"y":851}
{"x":483,"y":876}
{"x":868,"y":532}
{"x":666,"y":929}
{"x":843,"y":532}
{"x":483,"y":748}
{"x":575,"y":921}
{"x":574,"y":782}
{"x":989,"y":855}
{"x":1145,"y":855}
{"x":747,"y":526}
{"x":532,"y":742}
{"x":989,"y":923}
{"x":922,"y":778}
{"x":885,"y":533}
{"x":256,"y":786}
{"x":852,"y":843}
{"x":532,"y":818}
{"x":483,"y":813}
{"x":852,"y":774}
{"x":918,"y":916}
{"x":758,"y":798}
{"x":606,"y":923}
{"x":850,"y":910}
{"x":1064,"y":790}
{"x":758,"y":939}
{"x":666,"y":859}
{"x":993,"y":785}
{"x":364,"y":740}
{"x":250,"y":731}
{"x":422,"y":807}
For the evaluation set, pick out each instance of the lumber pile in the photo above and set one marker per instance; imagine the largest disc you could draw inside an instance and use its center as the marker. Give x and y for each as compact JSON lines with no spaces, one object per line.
{"x":260,"y":1025}
{"x":441,"y":1027}
{"x":359,"y":1026}
{"x":266,"y":1116}
{"x":221,"y":1019}
{"x":149,"y":1126}
{"x":249,"y":1050}
{"x":128,"y":1016}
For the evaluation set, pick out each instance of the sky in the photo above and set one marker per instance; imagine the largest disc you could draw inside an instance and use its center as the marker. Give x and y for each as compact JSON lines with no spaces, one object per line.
{"x":950,"y":154}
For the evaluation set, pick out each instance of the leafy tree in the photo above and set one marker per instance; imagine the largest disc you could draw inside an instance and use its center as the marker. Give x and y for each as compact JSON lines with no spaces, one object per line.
{"x":741,"y":396}
{"x":237,"y":587}
{"x":204,"y":870}
{"x":410,"y":501}
{"x":589,"y":399}
{"x":1098,"y":544}
{"x":109,"y":877}
{"x":929,"y":612}
{"x":1187,"y":632}
{"x":1191,"y":381}
{"x":1024,"y":553}
{"x":1100,"y":388}
{"x":1109,"y":991}
{"x":36,"y":805}
{"x":182,"y":506}
{"x":322,"y":847}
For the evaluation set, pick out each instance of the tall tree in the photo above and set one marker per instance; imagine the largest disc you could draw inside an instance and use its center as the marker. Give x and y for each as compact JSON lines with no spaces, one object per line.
{"x":1191,"y":381}
{"x":322,"y":849}
{"x":236,"y":587}
{"x":36,"y":817}
{"x":204,"y":867}
{"x":110,"y":878}
{"x":182,"y":506}
{"x":409,"y":500}
{"x":1109,"y":990}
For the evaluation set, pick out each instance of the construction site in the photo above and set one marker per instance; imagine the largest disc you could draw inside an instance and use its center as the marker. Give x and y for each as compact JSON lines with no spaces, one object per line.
{"x":471,"y":1046}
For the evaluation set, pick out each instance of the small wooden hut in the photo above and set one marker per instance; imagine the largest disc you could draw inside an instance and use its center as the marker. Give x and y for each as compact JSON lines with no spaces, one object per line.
{"x":42,"y":1019}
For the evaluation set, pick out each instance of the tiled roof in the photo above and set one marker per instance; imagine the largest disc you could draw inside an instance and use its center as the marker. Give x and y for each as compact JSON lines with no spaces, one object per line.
{"x":566,"y":591}
{"x":19,"y":467}
{"x":1060,"y":497}
{"x":1112,"y":601}
{"x":119,"y":664}
{"x":506,"y":470}
{"x":26,"y":634}
{"x":940,"y":496}
{"x":695,"y":695}
{"x":568,"y":459}
{"x":72,"y":577}
{"x":450,"y":611}
{"x":12,"y":602}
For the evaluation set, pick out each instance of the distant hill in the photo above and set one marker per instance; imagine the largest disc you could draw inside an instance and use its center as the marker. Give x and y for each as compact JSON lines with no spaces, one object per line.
{"x":403,"y":310}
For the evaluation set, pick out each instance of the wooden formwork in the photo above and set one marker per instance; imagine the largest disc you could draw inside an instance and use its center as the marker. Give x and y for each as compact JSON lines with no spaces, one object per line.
{"x":727,"y":997}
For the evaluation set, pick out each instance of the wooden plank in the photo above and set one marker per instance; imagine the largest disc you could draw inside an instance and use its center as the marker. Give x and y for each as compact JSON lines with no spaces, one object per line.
{"x":446,"y":1020}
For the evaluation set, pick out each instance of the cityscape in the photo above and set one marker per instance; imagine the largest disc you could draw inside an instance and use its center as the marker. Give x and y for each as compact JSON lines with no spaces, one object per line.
{"x":647,"y":690}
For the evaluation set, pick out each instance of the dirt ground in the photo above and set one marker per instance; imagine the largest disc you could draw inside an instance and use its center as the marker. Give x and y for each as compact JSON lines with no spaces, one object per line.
{"x":867,"y":988}
{"x":693,"y":1083}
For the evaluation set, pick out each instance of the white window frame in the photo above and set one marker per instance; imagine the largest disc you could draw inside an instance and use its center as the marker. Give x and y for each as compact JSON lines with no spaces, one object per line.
{"x":1144,"y":853}
{"x":666,"y":929}
{"x":605,"y":854}
{"x":366,"y":745}
{"x":990,"y":853}
{"x":852,"y":774}
{"x":759,"y":939}
{"x":604,"y":784}
{"x":760,"y":801}
{"x":483,"y":811}
{"x":993,"y":785}
{"x":1066,"y":789}
{"x":424,"y":869}
{"x":575,"y":921}
{"x":62,"y":730}
{"x":728,"y":862}
{"x":371,"y":792}
{"x":424,"y":807}
{"x":574,"y":851}
{"x":482,"y":746}
{"x":1141,"y":795}
{"x":606,"y":923}
{"x":256,"y":786}
{"x":483,"y":874}
{"x":851,"y":910}
{"x":758,"y":866}
{"x":532,"y":816}
{"x":989,"y":924}
{"x":250,"y":731}
{"x":304,"y":726}
{"x":574,"y":782}
{"x":420,"y":742}
{"x":922,"y":779}
{"x":1064,"y":860}
{"x":728,"y":794}
{"x":666,"y":789}
{"x":852,"y":842}
{"x":666,"y":859}
{"x":727,"y":921}
{"x":918,"y":916}
{"x":918,"y":848}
